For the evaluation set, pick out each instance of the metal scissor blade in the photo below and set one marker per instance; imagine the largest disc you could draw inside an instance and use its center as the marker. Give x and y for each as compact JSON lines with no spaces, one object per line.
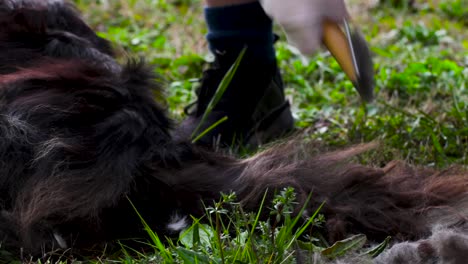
{"x":362,"y":62}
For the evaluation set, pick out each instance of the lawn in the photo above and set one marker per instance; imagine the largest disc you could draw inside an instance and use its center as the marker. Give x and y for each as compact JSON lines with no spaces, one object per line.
{"x":420,"y":55}
{"x":420,"y":52}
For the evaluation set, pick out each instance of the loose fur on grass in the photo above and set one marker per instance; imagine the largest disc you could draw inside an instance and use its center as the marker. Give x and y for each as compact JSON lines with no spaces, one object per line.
{"x":80,"y":135}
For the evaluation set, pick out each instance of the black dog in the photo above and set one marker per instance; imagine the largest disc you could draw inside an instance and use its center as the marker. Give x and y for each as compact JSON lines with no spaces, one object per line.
{"x":81,"y":135}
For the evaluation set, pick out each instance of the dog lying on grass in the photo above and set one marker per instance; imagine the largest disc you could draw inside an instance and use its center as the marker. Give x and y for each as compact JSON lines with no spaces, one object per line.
{"x":80,"y":135}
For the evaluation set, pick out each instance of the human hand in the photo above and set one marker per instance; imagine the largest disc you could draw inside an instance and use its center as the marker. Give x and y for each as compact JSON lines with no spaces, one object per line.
{"x":302,"y":20}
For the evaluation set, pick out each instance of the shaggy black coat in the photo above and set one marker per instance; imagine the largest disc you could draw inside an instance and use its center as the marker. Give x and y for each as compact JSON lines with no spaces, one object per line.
{"x":80,"y":135}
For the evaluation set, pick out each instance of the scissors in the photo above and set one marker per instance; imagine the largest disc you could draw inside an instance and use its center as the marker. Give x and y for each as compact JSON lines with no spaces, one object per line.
{"x":352,"y":53}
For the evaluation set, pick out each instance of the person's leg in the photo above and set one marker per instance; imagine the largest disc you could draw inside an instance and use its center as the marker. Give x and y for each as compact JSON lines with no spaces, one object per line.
{"x":234,"y":24}
{"x":254,"y":100}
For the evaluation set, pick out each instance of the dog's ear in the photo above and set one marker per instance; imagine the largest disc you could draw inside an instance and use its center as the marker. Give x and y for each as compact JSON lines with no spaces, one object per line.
{"x":50,"y":15}
{"x":30,"y":30}
{"x":63,"y":16}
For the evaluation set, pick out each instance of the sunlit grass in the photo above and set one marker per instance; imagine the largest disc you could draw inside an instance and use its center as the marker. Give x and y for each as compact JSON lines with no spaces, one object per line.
{"x":420,"y":54}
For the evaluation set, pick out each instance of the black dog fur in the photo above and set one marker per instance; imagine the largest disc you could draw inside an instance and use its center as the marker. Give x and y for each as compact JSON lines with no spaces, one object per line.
{"x":81,"y":135}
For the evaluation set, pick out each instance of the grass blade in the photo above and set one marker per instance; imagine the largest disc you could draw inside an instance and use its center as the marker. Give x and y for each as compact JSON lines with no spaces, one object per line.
{"x":153,"y":236}
{"x":220,"y":91}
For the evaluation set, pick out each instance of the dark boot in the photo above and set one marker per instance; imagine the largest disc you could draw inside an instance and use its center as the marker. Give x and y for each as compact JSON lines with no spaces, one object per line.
{"x":253,"y":102}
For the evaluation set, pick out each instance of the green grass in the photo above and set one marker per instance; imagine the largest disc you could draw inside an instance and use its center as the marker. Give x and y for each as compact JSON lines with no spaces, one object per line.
{"x":420,"y":54}
{"x":420,"y":114}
